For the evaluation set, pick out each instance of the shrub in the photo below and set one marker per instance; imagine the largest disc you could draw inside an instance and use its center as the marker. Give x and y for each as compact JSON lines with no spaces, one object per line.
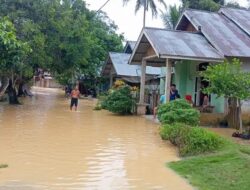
{"x":178,"y":111}
{"x":98,"y":106}
{"x":3,"y":166}
{"x":103,"y":101}
{"x":120,"y":100}
{"x":191,"y":140}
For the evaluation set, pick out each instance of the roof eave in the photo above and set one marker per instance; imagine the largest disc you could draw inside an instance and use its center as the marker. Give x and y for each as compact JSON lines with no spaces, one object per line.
{"x":208,"y":59}
{"x":143,"y":32}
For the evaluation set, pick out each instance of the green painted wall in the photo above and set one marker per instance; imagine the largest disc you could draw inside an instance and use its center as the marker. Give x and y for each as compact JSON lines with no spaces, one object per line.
{"x":185,"y":78}
{"x":162,"y":80}
{"x":219,"y":103}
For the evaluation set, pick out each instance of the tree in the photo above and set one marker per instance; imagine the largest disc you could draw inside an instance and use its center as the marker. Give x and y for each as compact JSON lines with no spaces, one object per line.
{"x":234,"y":5}
{"x":209,"y":5}
{"x":67,"y":38}
{"x":171,"y":15}
{"x":146,"y":4}
{"x":12,"y":58}
{"x":230,"y":81}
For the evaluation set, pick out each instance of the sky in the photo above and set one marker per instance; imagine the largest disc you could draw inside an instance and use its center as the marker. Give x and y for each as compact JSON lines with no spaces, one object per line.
{"x":129,"y":23}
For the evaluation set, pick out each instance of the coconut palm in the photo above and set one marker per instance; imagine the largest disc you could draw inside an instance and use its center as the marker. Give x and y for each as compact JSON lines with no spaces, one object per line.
{"x":171,"y":15}
{"x":146,"y":4}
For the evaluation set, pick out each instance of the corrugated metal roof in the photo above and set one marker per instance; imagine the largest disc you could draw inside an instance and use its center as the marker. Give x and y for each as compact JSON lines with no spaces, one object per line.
{"x":241,"y":17}
{"x":221,"y":32}
{"x":132,"y":44}
{"x":122,"y":68}
{"x":179,"y":44}
{"x":129,"y":47}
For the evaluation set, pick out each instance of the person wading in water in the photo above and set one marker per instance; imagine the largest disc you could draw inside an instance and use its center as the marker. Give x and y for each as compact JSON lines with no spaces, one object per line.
{"x":75,"y":94}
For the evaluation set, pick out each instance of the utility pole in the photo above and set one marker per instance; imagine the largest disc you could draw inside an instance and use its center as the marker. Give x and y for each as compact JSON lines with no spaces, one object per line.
{"x":102,"y":6}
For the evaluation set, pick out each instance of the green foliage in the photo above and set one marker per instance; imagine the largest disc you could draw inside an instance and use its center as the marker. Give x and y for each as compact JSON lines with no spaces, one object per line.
{"x":226,"y":169}
{"x":98,"y":106}
{"x":13,"y":51}
{"x":102,"y":100}
{"x":171,"y":15}
{"x":191,"y":140}
{"x":209,"y":5}
{"x":67,"y":38}
{"x":179,"y":111}
{"x":228,"y":80}
{"x":233,"y":4}
{"x":120,"y":101}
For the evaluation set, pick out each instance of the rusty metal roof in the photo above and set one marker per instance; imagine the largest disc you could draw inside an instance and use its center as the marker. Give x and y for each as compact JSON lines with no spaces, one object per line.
{"x":225,"y":35}
{"x":122,"y":68}
{"x":240,"y":17}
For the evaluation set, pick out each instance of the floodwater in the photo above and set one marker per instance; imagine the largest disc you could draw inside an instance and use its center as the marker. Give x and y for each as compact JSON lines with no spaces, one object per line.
{"x":49,"y":147}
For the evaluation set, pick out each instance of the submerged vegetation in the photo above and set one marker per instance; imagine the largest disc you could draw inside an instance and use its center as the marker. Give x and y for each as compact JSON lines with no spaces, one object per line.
{"x":180,"y":126}
{"x":120,"y":99}
{"x":178,"y":111}
{"x":3,"y":166}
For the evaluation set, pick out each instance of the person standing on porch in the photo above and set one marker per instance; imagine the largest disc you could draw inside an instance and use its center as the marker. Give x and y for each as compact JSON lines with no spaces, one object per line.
{"x":174,"y":94}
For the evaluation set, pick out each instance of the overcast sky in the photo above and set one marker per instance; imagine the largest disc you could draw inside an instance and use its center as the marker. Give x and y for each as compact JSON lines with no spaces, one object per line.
{"x":124,"y":16}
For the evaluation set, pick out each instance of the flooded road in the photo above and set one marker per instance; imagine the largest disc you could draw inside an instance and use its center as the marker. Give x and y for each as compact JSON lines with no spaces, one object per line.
{"x":49,"y":147}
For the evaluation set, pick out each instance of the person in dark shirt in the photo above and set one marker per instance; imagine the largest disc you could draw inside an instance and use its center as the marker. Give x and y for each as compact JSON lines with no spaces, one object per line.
{"x":174,"y":94}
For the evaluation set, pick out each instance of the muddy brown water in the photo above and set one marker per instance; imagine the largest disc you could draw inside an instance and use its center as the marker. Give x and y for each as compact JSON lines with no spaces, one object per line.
{"x":49,"y":147}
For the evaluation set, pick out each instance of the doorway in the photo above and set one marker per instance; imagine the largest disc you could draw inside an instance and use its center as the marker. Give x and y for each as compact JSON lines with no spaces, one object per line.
{"x":200,"y":84}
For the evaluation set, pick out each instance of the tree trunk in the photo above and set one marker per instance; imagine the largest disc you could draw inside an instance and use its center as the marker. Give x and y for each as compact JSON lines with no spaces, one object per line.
{"x":233,"y":114}
{"x":20,"y":90}
{"x":12,"y":94}
{"x":239,"y":116}
{"x":5,"y":84}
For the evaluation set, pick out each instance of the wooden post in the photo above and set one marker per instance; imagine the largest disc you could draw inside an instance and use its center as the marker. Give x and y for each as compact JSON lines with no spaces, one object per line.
{"x":168,"y":80}
{"x":110,"y":80}
{"x":142,"y":87}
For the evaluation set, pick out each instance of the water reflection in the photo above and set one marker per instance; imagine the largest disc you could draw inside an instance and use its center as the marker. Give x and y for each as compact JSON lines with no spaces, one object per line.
{"x":49,"y":147}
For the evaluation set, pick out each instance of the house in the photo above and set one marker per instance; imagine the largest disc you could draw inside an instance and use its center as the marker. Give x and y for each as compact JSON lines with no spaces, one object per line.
{"x":117,"y":67}
{"x":200,"y":38}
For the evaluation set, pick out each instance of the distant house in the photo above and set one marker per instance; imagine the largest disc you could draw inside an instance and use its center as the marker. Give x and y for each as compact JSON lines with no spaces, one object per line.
{"x":129,"y":47}
{"x":117,"y":67}
{"x":200,"y":38}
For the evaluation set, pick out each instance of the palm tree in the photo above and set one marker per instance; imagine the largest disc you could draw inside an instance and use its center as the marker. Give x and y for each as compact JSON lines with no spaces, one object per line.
{"x":171,"y":15}
{"x":146,"y":4}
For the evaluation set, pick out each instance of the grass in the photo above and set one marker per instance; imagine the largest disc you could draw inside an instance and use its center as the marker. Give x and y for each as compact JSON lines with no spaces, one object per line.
{"x":227,"y":169}
{"x":3,"y":165}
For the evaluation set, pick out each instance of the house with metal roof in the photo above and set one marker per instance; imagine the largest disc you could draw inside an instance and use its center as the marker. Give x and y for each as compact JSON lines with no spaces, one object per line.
{"x":117,"y":67}
{"x":129,"y":47}
{"x":200,"y":38}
